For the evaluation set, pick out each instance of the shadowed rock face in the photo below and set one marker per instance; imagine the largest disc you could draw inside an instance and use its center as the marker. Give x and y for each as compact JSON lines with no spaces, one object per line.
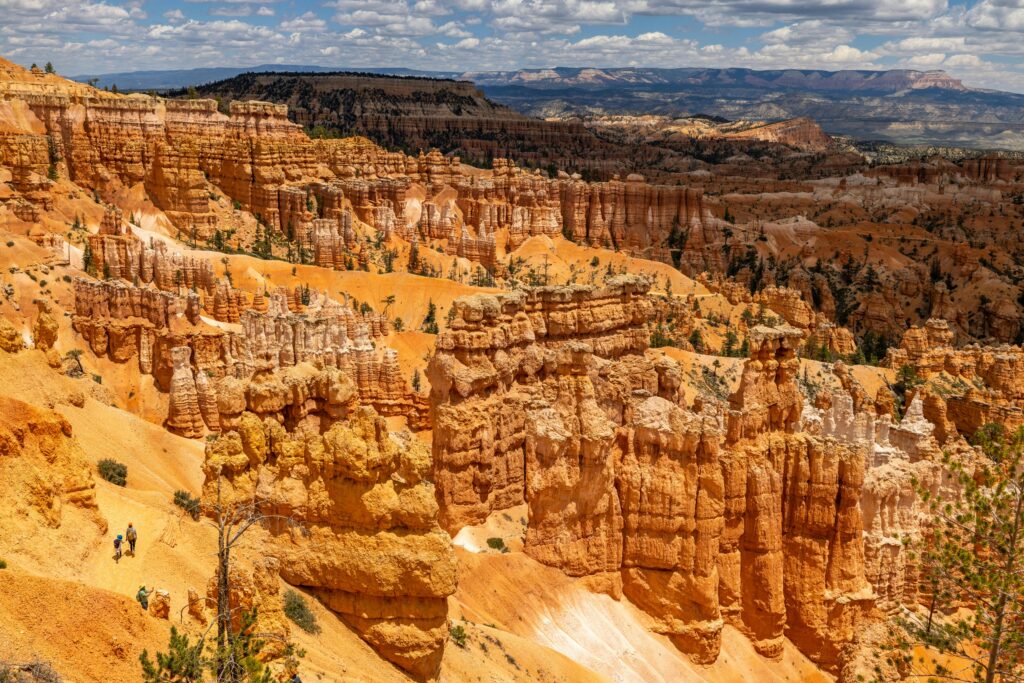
{"x":548,"y":397}
{"x":362,"y":532}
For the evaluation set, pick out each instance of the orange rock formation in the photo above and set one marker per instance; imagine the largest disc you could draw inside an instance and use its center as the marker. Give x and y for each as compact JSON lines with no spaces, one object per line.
{"x":358,"y":525}
{"x":547,"y":397}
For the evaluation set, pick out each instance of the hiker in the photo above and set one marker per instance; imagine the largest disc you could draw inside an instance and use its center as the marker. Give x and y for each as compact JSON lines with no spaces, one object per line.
{"x":143,"y":597}
{"x":131,"y":535}
{"x":117,"y":548}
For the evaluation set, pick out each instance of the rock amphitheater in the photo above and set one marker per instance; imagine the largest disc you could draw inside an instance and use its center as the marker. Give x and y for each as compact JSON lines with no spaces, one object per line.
{"x":474,"y":407}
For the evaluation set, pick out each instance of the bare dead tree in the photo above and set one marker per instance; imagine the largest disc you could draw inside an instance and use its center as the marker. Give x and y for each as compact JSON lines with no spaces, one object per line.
{"x":232,"y":521}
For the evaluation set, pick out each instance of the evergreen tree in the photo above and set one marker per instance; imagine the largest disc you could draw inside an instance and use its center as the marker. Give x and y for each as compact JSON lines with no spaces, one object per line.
{"x":416,"y":380}
{"x":87,"y":265}
{"x":49,"y":68}
{"x":729,"y":346}
{"x":697,"y":341}
{"x":974,"y":554}
{"x":182,"y":663}
{"x":430,"y":321}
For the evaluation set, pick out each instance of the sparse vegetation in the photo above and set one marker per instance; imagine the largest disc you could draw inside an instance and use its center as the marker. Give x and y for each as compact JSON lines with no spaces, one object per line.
{"x":988,"y":514}
{"x":430,"y":321}
{"x":187,"y":502}
{"x":497,"y":544}
{"x":297,"y":609}
{"x":458,"y":635}
{"x":113,"y":471}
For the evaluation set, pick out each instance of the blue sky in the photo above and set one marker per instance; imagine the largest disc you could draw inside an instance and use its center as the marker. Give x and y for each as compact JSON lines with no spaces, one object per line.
{"x":979,"y":41}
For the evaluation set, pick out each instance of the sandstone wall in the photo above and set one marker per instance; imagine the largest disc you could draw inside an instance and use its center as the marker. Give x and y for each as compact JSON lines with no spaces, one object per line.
{"x":548,"y":397}
{"x":355,"y":522}
{"x":253,"y":154}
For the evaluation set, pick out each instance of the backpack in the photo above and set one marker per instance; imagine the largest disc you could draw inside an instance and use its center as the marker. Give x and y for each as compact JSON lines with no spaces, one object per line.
{"x":117,"y":543}
{"x":131,"y":534}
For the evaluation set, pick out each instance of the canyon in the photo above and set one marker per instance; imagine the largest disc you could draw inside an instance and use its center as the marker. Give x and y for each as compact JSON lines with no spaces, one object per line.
{"x":466,"y":407}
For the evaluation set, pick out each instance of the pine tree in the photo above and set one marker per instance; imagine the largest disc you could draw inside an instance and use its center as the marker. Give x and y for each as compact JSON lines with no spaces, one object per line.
{"x":416,"y":380}
{"x":697,"y":341}
{"x":729,"y":346}
{"x":430,"y":321}
{"x":974,"y":554}
{"x":87,"y":265}
{"x":182,"y":663}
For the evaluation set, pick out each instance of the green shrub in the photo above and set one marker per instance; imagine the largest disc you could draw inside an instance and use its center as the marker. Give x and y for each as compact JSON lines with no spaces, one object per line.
{"x":10,"y":243}
{"x":3,"y":564}
{"x":187,"y":502}
{"x":296,"y":609}
{"x":458,"y":635}
{"x":497,"y":544}
{"x":113,"y":471}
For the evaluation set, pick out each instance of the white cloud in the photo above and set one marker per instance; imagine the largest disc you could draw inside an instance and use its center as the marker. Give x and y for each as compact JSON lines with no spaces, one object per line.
{"x":927,"y":60}
{"x":304,"y":22}
{"x":464,"y":44}
{"x":996,"y":15}
{"x":954,"y":61}
{"x":979,"y":41}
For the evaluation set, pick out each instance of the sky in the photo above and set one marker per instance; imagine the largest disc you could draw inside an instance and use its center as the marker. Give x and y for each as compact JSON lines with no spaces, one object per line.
{"x":979,"y":41}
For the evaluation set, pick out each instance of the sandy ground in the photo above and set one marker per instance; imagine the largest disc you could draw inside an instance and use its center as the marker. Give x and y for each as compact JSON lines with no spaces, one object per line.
{"x":566,"y":259}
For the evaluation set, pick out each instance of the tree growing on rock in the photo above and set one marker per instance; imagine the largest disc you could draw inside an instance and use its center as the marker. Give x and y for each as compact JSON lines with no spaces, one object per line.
{"x":975,"y":555}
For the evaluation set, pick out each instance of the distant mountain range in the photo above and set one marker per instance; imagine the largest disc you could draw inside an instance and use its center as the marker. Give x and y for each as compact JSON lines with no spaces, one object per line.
{"x":900,"y":105}
{"x":877,"y":82}
{"x":182,"y":78}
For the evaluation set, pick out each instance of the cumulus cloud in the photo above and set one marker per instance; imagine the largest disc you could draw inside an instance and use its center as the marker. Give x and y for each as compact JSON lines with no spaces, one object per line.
{"x":927,"y":61}
{"x":954,"y":61}
{"x":304,"y":22}
{"x":978,"y":42}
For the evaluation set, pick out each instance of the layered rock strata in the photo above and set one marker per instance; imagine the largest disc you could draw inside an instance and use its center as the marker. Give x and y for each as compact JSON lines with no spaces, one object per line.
{"x":180,"y":150}
{"x":905,"y":459}
{"x":548,"y":397}
{"x":354,"y":520}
